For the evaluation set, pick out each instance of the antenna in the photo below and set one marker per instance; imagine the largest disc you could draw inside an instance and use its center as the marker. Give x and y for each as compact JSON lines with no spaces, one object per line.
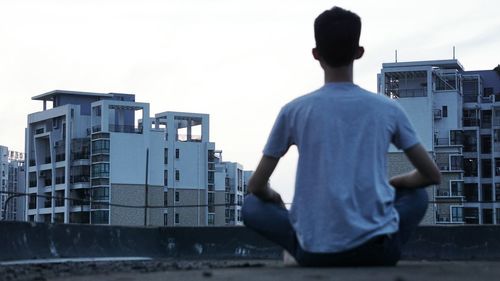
{"x":453,"y":52}
{"x":396,"y":55}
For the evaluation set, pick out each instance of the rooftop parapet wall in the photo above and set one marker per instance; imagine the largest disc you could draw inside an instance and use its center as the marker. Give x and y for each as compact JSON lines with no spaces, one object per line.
{"x":21,"y":241}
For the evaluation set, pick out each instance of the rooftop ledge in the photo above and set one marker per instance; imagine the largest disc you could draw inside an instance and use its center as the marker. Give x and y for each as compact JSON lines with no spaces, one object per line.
{"x":85,"y":252}
{"x":22,"y":241}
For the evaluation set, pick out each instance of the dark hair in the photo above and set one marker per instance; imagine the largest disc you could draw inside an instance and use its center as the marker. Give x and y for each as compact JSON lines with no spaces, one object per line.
{"x":337,"y":36}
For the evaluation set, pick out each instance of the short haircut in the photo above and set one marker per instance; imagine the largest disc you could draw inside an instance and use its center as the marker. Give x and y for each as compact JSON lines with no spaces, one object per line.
{"x":337,"y":34}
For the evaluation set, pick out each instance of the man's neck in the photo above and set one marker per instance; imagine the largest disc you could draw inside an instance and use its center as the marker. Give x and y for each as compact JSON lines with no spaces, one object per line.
{"x":338,"y":74}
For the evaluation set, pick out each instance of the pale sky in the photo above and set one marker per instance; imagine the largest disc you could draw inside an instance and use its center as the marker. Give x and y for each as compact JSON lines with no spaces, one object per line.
{"x":238,"y":61}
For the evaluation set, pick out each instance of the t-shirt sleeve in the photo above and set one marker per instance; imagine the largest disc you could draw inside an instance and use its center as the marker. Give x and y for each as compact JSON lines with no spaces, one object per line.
{"x":280,"y":138}
{"x":404,"y":135}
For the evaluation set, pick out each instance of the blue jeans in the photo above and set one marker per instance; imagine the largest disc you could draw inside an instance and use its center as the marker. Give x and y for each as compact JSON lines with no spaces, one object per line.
{"x":272,"y":221}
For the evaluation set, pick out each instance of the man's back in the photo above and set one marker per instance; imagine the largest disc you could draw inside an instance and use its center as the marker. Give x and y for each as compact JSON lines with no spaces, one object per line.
{"x":342,"y":196}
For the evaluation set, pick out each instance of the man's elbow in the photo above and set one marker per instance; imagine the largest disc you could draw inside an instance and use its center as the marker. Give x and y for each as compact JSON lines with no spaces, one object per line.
{"x":435,"y":178}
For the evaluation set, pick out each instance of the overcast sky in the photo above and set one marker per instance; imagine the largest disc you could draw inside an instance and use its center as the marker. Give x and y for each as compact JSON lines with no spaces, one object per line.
{"x":238,"y":61}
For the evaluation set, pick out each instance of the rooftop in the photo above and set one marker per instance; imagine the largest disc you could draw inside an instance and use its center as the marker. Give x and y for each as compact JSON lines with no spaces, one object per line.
{"x":445,"y":64}
{"x":49,"y":96}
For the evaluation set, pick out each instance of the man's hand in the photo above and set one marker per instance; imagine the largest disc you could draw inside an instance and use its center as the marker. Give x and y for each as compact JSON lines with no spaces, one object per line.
{"x":258,"y":184}
{"x":426,"y":172}
{"x":272,"y":196}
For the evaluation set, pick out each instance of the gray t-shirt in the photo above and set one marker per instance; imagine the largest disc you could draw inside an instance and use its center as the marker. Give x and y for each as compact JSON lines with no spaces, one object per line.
{"x":342,"y":193}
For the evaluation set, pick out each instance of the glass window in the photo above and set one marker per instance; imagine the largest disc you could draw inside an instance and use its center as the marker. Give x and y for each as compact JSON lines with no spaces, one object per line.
{"x":471,"y":215}
{"x":211,"y":219}
{"x":470,"y":167}
{"x":177,"y":175}
{"x":470,"y":192}
{"x":177,"y":219}
{"x":487,"y":216}
{"x":486,"y":192}
{"x":457,"y":214}
{"x":100,"y":170}
{"x":99,"y":217}
{"x":177,"y":196}
{"x":177,"y":153}
{"x":486,"y":168}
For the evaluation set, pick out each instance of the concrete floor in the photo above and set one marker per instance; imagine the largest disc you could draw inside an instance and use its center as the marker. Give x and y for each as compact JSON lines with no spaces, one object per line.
{"x":406,"y":271}
{"x":247,"y":270}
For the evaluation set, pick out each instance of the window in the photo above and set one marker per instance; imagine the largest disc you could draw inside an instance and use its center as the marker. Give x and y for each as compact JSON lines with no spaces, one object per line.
{"x":457,"y":214}
{"x":177,"y":175}
{"x":210,"y":177}
{"x":211,"y":219}
{"x":470,"y":141}
{"x":485,"y":144}
{"x":99,"y":217}
{"x":211,"y":201}
{"x":177,"y":196}
{"x":177,"y":153}
{"x":456,"y":137}
{"x":456,"y":162}
{"x":177,"y":218}
{"x":100,"y":146}
{"x":487,"y":216}
{"x":470,"y":192}
{"x":486,"y":119}
{"x":486,"y":168}
{"x":497,"y":192}
{"x":470,"y":167}
{"x":165,"y":178}
{"x":498,"y":215}
{"x":445,"y":111}
{"x":165,"y":219}
{"x":100,"y":193}
{"x":471,"y":215}
{"x":165,"y":156}
{"x":165,"y":199}
{"x":100,"y":170}
{"x":238,"y":215}
{"x":487,"y":92}
{"x":486,"y":192}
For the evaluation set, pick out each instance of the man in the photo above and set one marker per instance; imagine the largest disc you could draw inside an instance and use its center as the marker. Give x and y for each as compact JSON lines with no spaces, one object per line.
{"x":345,"y":211}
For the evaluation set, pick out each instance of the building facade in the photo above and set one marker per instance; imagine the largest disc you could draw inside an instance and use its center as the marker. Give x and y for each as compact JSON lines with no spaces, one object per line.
{"x":457,"y":116}
{"x":11,"y":180}
{"x":106,"y":153}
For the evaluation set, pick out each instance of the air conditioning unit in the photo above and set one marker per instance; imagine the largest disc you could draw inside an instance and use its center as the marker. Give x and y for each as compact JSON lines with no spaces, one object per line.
{"x":438,"y":114}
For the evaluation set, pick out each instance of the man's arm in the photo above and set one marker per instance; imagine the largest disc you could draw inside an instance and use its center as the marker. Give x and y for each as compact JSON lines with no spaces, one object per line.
{"x":258,"y":184}
{"x":426,"y":172}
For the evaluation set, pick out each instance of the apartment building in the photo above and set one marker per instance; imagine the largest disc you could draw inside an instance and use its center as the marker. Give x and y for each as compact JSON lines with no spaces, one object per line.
{"x":199,"y":188}
{"x":230,"y":189}
{"x":105,"y":152}
{"x":97,"y":149}
{"x":11,"y":180}
{"x":457,"y":116}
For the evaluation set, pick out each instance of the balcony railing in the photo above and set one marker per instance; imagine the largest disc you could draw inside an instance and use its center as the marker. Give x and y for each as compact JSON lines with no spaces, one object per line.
{"x":471,"y":122}
{"x":80,"y":179}
{"x":441,"y":141}
{"x":125,"y":129}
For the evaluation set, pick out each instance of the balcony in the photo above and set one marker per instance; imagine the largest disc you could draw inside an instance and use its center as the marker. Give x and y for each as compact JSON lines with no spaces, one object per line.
{"x":471,"y":122}
{"x":130,"y":129}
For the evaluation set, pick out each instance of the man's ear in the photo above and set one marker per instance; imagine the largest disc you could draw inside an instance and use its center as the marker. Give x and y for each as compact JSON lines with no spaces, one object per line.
{"x":359,"y":52}
{"x":315,"y":54}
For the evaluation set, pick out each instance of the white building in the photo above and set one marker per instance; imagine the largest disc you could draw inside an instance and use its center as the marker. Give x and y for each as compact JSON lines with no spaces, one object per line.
{"x":105,"y":152}
{"x":90,"y":146}
{"x":11,"y":181}
{"x":457,"y":116}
